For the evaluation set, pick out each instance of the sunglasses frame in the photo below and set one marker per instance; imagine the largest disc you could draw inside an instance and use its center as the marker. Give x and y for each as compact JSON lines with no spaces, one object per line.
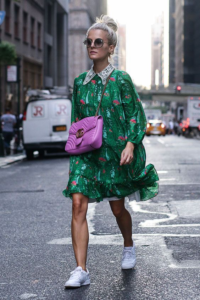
{"x":85,"y":43}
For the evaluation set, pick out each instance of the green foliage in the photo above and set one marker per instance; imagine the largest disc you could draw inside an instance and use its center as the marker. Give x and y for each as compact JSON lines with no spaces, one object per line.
{"x":8,"y":53}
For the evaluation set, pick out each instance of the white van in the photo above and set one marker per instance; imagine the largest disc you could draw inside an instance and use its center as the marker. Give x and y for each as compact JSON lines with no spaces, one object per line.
{"x":46,"y":123}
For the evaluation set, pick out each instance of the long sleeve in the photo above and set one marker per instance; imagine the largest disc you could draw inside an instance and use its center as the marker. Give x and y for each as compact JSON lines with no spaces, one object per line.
{"x":74,"y":94}
{"x":133,"y":110}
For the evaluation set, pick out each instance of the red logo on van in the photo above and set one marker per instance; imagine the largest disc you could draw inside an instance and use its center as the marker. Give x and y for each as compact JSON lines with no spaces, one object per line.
{"x":61,"y":109}
{"x":38,"y":111}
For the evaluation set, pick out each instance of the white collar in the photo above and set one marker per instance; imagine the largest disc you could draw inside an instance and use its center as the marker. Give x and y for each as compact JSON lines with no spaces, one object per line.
{"x":103,"y":74}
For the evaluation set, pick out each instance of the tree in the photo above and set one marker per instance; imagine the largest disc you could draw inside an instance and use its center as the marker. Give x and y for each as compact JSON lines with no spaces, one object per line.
{"x":8,"y":53}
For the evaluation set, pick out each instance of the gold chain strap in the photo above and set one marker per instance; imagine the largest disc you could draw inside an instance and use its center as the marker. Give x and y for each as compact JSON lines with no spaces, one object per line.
{"x":102,"y":94}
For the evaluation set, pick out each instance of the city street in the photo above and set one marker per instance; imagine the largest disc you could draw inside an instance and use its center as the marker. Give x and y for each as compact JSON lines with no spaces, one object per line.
{"x":36,"y":250}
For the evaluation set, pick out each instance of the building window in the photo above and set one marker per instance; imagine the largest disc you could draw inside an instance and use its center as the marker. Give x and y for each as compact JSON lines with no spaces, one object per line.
{"x":39,"y":36}
{"x":49,"y":19}
{"x":49,"y":60}
{"x":16,"y":17}
{"x":32,"y":32}
{"x":7,"y":18}
{"x":25,"y":22}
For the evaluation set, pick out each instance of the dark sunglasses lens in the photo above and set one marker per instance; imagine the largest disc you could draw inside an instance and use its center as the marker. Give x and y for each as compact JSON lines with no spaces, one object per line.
{"x":98,"y":43}
{"x":87,"y":43}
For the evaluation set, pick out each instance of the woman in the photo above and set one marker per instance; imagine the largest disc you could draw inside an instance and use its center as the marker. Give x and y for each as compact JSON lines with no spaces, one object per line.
{"x":117,"y":169}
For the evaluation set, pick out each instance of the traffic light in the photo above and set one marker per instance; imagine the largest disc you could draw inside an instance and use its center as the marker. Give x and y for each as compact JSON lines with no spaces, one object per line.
{"x":178,"y":89}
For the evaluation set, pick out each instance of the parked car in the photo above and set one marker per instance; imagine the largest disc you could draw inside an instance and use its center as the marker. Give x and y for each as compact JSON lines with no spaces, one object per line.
{"x":46,"y":123}
{"x":155,"y":127}
{"x":191,"y":117}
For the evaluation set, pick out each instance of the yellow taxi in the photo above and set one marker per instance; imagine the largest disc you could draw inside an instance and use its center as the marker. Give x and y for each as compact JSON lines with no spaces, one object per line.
{"x":156,"y":127}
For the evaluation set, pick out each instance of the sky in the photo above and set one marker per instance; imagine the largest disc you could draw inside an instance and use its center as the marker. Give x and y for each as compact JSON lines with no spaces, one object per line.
{"x":138,"y":16}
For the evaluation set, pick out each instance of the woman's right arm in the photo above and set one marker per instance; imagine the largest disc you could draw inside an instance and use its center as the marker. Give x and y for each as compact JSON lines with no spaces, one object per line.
{"x":133,"y":109}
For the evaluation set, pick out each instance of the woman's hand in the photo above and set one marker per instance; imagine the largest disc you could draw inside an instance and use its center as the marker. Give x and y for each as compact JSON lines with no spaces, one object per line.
{"x":127,"y":154}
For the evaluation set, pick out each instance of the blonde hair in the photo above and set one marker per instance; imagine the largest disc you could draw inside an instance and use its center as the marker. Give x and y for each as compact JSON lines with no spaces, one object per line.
{"x":107,"y":24}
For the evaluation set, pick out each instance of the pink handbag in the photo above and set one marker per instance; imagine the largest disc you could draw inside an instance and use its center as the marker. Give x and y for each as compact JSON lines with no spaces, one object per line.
{"x":86,"y":134}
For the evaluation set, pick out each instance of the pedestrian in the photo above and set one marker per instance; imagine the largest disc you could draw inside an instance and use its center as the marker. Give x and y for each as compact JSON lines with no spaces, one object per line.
{"x":8,"y":122}
{"x":176,"y":126}
{"x":171,"y":127}
{"x":117,"y":169}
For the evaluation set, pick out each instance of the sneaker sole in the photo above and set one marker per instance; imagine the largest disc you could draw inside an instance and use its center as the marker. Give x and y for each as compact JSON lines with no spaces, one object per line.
{"x":128,"y":267}
{"x":87,"y":282}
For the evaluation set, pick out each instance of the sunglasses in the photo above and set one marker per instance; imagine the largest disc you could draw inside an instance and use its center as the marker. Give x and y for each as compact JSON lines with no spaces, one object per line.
{"x":98,"y":43}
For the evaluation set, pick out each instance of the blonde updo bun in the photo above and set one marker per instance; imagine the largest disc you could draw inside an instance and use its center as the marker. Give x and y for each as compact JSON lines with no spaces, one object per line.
{"x":108,"y":21}
{"x":107,"y":24}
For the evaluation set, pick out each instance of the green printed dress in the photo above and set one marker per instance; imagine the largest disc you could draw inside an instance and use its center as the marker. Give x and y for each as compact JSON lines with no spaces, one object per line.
{"x":98,"y":174}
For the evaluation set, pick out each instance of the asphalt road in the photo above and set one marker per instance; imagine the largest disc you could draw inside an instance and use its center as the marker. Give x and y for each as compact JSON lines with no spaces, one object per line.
{"x":36,"y":254}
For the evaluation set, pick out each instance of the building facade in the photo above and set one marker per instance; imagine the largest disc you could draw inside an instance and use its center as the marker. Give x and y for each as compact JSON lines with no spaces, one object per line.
{"x":197,"y":41}
{"x":172,"y":41}
{"x":119,"y":59}
{"x":157,"y":50}
{"x":39,"y":31}
{"x":23,"y":27}
{"x":82,"y":14}
{"x":55,"y":43}
{"x":186,"y":31}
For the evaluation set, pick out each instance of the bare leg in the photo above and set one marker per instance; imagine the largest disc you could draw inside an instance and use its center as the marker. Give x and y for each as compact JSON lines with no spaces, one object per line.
{"x":79,"y":228}
{"x":123,"y":219}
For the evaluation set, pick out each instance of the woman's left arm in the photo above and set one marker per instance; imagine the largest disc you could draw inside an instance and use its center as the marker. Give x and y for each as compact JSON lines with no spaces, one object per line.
{"x":134,"y":116}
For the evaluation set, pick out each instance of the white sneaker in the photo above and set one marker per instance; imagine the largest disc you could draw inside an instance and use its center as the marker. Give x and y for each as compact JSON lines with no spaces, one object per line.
{"x":78,"y":278}
{"x":128,"y":257}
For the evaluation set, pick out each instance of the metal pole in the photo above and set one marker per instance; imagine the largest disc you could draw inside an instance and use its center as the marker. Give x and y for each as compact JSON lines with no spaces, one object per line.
{"x":18,"y":101}
{"x":2,"y":152}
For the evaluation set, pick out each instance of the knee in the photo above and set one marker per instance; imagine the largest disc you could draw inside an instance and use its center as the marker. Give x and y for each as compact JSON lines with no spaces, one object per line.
{"x":118,"y":211}
{"x":79,"y":209}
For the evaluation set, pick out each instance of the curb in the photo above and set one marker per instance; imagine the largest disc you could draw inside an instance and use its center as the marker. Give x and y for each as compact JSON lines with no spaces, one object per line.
{"x":4,"y":161}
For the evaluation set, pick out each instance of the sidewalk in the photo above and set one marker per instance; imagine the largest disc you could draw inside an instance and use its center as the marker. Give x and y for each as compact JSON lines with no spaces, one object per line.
{"x":10,"y":159}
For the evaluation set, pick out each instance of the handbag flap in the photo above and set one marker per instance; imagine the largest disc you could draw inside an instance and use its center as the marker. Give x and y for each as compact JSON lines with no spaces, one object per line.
{"x":86,"y":124}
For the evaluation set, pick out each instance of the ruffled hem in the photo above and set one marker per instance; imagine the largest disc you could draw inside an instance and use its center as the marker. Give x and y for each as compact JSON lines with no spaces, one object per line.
{"x":145,"y":183}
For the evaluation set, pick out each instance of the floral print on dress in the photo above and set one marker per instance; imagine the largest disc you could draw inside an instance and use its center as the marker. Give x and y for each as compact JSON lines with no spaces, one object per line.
{"x":98,"y":174}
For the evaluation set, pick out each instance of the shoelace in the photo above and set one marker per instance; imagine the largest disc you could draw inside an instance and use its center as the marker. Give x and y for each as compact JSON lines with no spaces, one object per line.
{"x":127,"y":254}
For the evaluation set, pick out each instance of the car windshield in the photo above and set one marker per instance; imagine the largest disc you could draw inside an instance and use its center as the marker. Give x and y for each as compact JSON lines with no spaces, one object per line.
{"x":155,"y":123}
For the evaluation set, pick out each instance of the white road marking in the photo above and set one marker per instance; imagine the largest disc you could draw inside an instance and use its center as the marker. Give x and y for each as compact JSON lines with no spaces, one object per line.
{"x":186,"y":264}
{"x":90,"y":216}
{"x":137,"y":207}
{"x":151,"y":240}
{"x":147,"y":141}
{"x":162,"y":172}
{"x":160,"y":141}
{"x":166,"y":179}
{"x":27,"y":296}
{"x":145,"y":239}
{"x":116,"y":239}
{"x":182,"y":183}
{"x":177,"y":225}
{"x":169,"y":234}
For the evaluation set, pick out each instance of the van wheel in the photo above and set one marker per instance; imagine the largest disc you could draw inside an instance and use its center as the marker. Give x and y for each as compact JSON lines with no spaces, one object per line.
{"x":29,"y":154}
{"x":41,"y":153}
